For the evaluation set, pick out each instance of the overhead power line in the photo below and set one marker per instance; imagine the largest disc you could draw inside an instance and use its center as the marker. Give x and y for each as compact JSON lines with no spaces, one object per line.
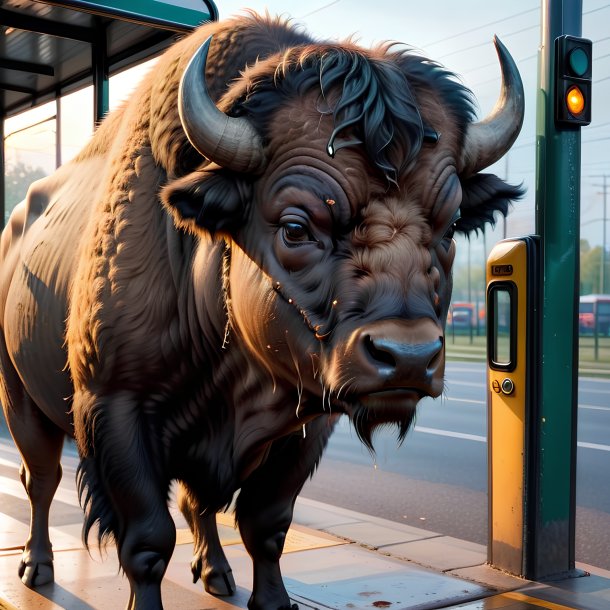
{"x":493,"y":64}
{"x":317,"y":10}
{"x":481,"y":27}
{"x":507,"y":35}
{"x":486,"y":43}
{"x":595,"y":10}
{"x":606,"y":139}
{"x":596,"y":125}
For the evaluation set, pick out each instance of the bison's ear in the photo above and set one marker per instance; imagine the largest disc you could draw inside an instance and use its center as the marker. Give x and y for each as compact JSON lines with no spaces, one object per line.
{"x":208,"y":200}
{"x":483,"y":196}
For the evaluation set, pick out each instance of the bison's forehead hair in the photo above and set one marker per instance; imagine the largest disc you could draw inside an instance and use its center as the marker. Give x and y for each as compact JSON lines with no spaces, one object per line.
{"x":366,"y":92}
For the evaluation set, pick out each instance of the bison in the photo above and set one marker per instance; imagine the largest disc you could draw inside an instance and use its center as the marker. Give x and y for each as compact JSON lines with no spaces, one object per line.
{"x":258,"y":241}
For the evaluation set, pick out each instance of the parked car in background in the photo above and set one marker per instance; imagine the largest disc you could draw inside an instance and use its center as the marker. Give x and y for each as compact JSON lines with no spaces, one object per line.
{"x":594,"y":312}
{"x":463,"y":316}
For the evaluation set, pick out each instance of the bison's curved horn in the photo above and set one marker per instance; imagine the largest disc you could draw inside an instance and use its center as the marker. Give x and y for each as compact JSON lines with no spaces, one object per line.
{"x":487,"y":141}
{"x":231,"y":142}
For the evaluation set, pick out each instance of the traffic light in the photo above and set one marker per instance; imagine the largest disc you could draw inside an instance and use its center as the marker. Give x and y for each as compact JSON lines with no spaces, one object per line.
{"x":573,"y":68}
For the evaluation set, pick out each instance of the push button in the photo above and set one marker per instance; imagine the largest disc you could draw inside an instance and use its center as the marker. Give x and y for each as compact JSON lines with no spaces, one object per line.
{"x":508,"y":386}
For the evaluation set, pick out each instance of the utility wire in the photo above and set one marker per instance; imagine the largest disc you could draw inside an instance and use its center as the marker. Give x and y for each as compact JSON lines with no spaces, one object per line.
{"x":524,"y":145}
{"x":317,"y":10}
{"x":484,"y":44}
{"x":480,"y":27}
{"x":594,"y":10}
{"x":525,"y":29}
{"x":534,"y":56}
{"x":495,"y":78}
{"x":598,"y":125}
{"x":495,"y":63}
{"x":606,"y":139}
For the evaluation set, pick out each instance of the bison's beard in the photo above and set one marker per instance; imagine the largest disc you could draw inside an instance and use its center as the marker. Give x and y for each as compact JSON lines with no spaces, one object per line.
{"x":372,"y":411}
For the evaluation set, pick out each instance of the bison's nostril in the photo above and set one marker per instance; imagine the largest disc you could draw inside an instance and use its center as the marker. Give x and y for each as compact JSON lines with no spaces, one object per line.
{"x":378,"y":353}
{"x":402,"y":357}
{"x":437,"y":354}
{"x":403,"y":362}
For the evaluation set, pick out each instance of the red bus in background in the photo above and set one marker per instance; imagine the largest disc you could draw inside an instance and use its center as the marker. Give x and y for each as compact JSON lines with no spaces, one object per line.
{"x":594,"y":308}
{"x":463,"y":316}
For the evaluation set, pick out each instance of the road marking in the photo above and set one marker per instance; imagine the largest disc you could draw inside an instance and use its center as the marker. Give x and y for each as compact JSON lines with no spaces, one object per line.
{"x":483,"y":439}
{"x":594,"y":408}
{"x":594,"y":446}
{"x":445,"y":399}
{"x":596,"y":380}
{"x":467,"y":437}
{"x":469,"y":384}
{"x":592,"y":391}
{"x":475,"y":372}
{"x":468,"y":400}
{"x":472,"y":401}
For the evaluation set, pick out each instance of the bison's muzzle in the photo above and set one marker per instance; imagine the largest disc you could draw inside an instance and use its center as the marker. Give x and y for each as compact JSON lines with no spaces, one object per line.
{"x":389,"y":358}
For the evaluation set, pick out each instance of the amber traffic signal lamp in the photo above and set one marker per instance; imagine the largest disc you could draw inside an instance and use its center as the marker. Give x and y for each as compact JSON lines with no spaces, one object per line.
{"x":573,"y":69}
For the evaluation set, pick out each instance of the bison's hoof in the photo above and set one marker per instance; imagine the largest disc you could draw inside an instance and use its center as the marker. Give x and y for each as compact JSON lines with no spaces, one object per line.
{"x":252,"y":605}
{"x":219,"y":583}
{"x":35,"y":574}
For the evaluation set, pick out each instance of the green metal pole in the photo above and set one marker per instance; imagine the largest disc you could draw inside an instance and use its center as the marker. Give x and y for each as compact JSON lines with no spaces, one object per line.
{"x":552,"y":493}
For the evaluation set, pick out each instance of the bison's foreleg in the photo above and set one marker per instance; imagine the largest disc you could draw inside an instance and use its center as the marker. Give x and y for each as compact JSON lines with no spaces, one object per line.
{"x":209,"y":560}
{"x":265,"y":506}
{"x":121,"y":449}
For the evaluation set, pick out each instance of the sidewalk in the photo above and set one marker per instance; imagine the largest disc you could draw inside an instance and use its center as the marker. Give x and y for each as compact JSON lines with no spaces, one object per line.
{"x":334,"y":559}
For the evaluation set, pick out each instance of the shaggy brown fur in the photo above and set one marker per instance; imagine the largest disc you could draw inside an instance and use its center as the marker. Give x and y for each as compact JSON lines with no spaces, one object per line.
{"x":189,"y":322}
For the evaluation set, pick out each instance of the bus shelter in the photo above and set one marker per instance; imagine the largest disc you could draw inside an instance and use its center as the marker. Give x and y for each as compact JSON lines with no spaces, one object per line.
{"x":49,"y":49}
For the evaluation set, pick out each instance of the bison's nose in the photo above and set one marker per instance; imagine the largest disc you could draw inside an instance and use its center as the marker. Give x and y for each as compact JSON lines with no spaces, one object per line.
{"x":399,"y":354}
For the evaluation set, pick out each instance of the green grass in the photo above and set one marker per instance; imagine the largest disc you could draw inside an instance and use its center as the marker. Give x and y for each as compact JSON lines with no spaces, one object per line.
{"x":461,"y":347}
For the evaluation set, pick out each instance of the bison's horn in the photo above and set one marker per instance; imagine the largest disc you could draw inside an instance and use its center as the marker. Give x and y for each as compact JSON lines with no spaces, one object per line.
{"x":487,"y":141}
{"x":231,"y":142}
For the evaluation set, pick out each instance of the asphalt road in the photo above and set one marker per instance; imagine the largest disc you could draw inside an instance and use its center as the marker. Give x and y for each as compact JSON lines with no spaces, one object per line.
{"x":438,"y":478}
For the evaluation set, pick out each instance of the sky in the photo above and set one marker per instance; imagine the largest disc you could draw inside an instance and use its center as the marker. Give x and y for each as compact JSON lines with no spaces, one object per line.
{"x":459,"y":35}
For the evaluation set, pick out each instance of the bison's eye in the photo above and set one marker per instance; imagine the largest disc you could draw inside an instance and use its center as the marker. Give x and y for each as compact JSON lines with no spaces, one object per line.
{"x":446,"y":241}
{"x":299,"y":240}
{"x":295,"y":233}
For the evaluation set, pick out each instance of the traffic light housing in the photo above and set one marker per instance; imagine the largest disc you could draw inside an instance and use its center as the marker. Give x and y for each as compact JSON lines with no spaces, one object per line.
{"x":573,"y":69}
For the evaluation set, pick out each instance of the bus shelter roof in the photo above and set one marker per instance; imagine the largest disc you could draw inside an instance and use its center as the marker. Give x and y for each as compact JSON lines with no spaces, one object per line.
{"x":52,"y":48}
